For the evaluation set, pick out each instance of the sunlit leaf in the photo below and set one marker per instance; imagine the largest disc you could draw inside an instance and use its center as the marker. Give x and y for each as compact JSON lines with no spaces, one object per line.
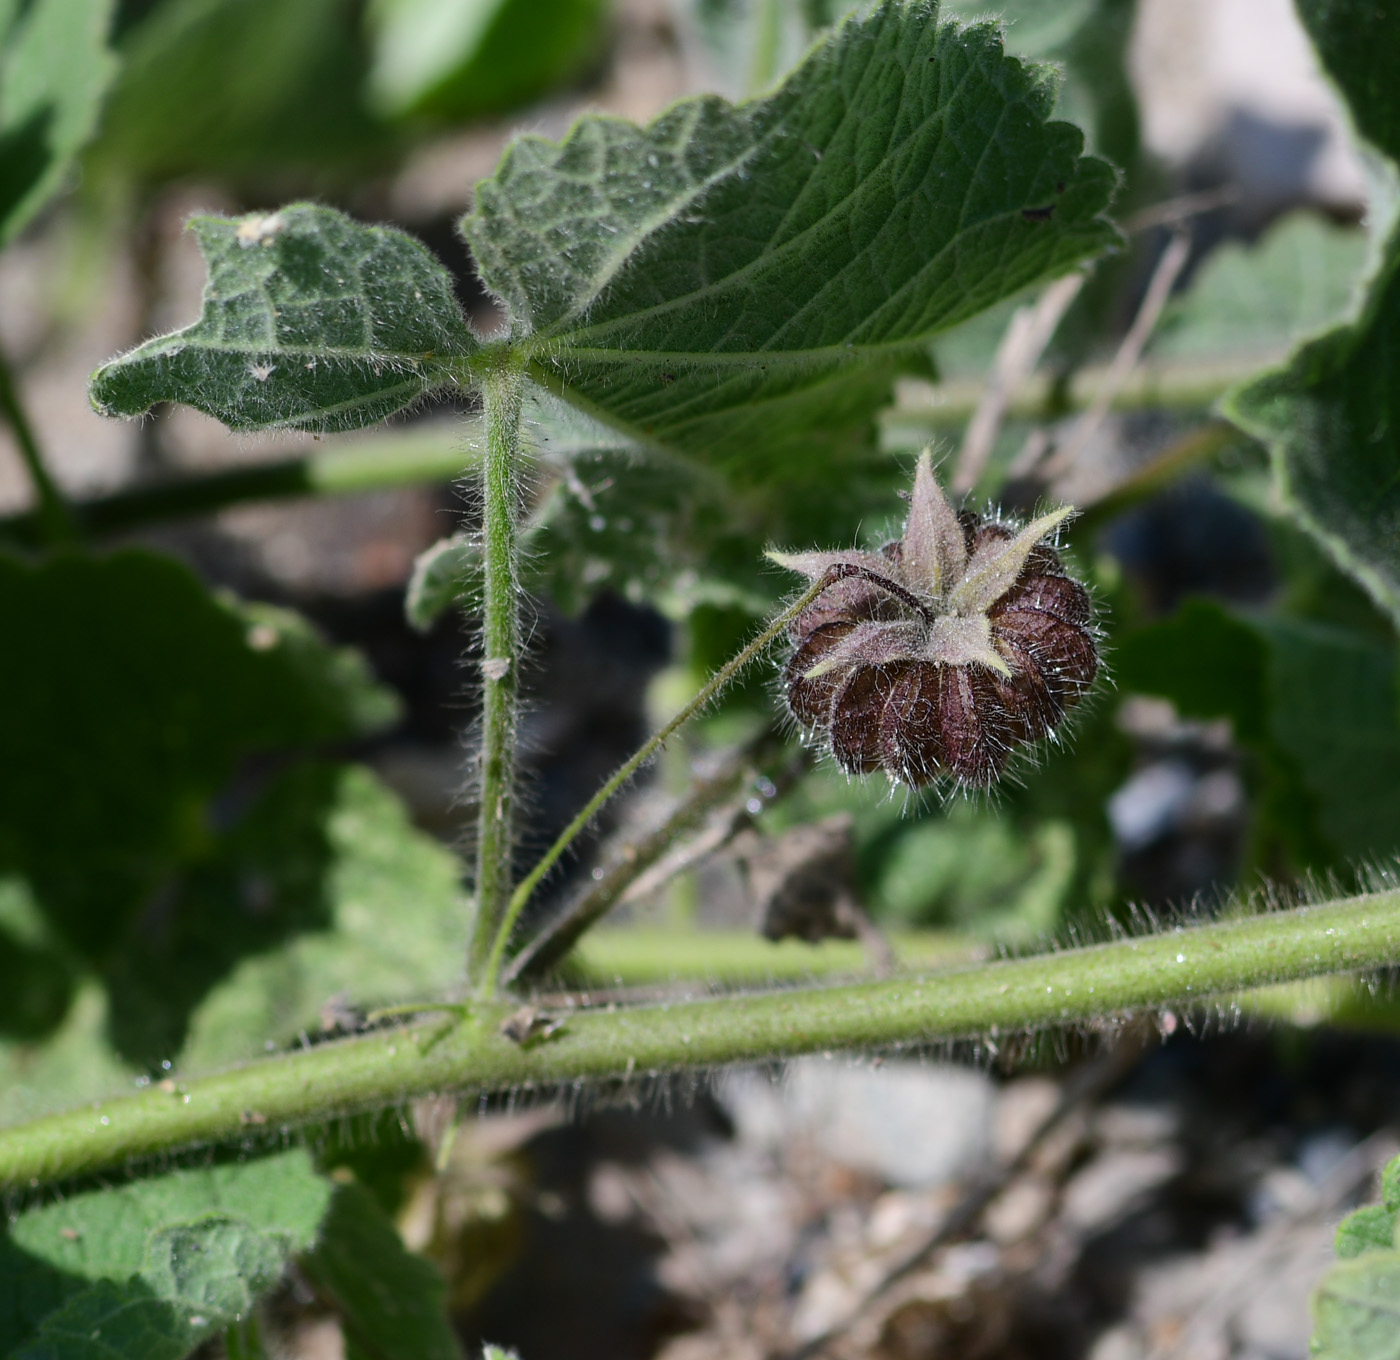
{"x":310,"y":321}
{"x":152,"y":1268}
{"x":741,"y":283}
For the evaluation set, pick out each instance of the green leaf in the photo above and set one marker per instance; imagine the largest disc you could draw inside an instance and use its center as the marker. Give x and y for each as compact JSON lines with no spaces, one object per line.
{"x":392,"y":1304}
{"x":1090,"y":40}
{"x":240,"y":88}
{"x":129,"y":697}
{"x":1331,"y":420}
{"x":110,"y":1321}
{"x":75,"y":1062}
{"x":1356,"y":1309}
{"x":1331,"y":416}
{"x":741,"y":283}
{"x":390,"y":924}
{"x":1249,"y":303}
{"x":322,"y":898}
{"x":1357,"y":43}
{"x":463,"y":58}
{"x":310,"y":321}
{"x":153,"y":1267}
{"x":444,"y":576}
{"x":1315,"y":702}
{"x":54,"y":70}
{"x":1369,"y":1229}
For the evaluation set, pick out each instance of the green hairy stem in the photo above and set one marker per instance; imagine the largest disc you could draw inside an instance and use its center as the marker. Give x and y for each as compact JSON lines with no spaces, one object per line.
{"x":1185,"y":965}
{"x":718,"y":682}
{"x":503,"y":390}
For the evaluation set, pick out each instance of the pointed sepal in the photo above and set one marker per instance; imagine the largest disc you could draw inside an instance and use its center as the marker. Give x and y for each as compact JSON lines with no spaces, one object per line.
{"x":997,"y":563}
{"x":935,"y":549}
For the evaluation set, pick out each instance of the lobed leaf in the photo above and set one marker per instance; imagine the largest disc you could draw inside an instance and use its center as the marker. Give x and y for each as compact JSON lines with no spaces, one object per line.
{"x":310,"y":321}
{"x":740,"y":283}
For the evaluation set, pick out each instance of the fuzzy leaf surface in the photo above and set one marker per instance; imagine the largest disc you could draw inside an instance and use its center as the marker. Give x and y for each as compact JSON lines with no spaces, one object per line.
{"x":1331,"y":416}
{"x":392,"y":1303}
{"x":1331,"y":420}
{"x":740,"y":283}
{"x":151,"y":1268}
{"x":310,"y":321}
{"x":54,"y":70}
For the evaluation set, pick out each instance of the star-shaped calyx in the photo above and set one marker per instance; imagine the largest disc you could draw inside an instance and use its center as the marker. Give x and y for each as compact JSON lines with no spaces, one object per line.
{"x":944,"y":651}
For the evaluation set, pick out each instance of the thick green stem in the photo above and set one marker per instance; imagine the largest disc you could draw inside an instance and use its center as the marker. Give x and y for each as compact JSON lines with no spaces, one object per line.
{"x":504,"y":388}
{"x":408,"y":457}
{"x":55,"y":520}
{"x":382,"y":1068}
{"x":550,"y":858}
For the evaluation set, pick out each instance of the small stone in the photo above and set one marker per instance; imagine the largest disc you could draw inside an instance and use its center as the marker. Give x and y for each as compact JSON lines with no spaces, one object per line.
{"x":1115,"y":1184}
{"x":1019,"y":1210}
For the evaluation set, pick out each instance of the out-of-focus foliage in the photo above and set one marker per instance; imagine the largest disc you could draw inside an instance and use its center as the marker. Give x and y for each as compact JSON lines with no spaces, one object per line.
{"x":390,"y":1301}
{"x":1251,"y":302}
{"x":162,"y":828}
{"x":461,"y":58}
{"x":54,"y":70}
{"x":1316,"y":704}
{"x":250,"y":88}
{"x":1331,"y":416}
{"x":1356,"y":1308}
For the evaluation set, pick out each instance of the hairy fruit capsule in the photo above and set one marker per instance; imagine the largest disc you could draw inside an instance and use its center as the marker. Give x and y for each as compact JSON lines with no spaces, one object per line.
{"x":946,"y":650}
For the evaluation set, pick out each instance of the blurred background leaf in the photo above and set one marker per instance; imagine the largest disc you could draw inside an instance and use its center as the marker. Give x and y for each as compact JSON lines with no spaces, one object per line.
{"x":54,"y":71}
{"x":454,"y":59}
